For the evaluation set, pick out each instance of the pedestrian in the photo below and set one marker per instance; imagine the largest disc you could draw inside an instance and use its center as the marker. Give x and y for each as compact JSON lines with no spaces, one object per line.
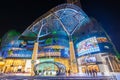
{"x":69,"y":72}
{"x":87,"y":71}
{"x":19,"y":68}
{"x":95,"y":72}
{"x":90,"y":71}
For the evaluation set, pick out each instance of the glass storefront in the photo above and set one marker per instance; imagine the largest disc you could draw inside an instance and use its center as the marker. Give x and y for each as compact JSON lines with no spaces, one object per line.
{"x":50,"y":68}
{"x":14,"y":65}
{"x":17,"y":66}
{"x":2,"y":63}
{"x":88,"y":64}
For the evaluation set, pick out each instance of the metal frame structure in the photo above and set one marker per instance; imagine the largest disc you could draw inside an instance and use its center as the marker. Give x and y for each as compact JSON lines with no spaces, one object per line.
{"x":66,"y":18}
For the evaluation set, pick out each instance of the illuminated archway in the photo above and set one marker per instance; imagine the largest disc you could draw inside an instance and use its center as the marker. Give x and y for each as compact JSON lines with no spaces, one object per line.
{"x":60,"y":71}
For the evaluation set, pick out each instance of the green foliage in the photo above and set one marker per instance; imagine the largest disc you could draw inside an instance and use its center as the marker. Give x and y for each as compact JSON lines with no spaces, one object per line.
{"x":48,"y":41}
{"x":118,"y":55}
{"x":10,"y":52}
{"x":12,"y":33}
{"x":9,"y":36}
{"x":31,"y":34}
{"x":74,"y":38}
{"x":54,"y":32}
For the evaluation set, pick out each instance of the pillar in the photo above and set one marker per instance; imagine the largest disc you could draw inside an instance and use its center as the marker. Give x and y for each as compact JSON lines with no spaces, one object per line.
{"x":34,"y":58}
{"x":73,"y":63}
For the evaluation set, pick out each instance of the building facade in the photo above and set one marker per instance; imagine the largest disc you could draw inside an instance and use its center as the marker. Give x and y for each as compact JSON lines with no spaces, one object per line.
{"x":64,"y":41}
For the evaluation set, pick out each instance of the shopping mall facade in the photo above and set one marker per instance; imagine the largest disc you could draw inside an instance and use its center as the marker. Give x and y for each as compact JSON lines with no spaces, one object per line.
{"x":61,"y":42}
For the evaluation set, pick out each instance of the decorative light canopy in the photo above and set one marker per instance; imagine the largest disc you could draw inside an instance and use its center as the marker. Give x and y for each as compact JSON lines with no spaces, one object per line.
{"x":62,"y":20}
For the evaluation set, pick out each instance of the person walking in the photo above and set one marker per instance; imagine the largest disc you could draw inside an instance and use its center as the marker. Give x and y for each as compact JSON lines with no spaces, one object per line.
{"x":87,"y":72}
{"x":95,"y":72}
{"x":69,"y":72}
{"x":90,"y":71}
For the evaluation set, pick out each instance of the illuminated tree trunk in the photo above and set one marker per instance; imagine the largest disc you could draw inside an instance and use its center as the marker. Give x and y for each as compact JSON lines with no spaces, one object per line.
{"x":34,"y":58}
{"x":73,"y":63}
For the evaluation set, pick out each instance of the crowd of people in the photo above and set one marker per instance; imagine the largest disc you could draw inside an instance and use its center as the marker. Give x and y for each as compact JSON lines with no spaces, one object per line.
{"x":91,"y":72}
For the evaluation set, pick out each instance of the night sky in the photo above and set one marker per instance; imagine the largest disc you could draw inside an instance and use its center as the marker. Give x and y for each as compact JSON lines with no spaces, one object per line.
{"x":19,"y":14}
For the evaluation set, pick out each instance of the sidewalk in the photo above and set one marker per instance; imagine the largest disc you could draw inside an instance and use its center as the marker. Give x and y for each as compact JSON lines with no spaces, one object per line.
{"x":17,"y":74}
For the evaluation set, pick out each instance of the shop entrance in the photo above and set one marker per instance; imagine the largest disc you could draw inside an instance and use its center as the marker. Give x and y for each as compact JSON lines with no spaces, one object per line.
{"x":14,"y":66}
{"x":50,"y":68}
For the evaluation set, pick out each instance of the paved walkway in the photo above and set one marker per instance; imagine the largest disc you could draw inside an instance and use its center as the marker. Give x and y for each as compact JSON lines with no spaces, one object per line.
{"x":56,"y":78}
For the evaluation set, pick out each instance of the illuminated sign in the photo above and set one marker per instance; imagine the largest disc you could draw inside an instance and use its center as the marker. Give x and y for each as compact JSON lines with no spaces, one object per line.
{"x":86,"y":60}
{"x":53,"y":54}
{"x":87,"y":46}
{"x":102,"y":39}
{"x":20,"y":53}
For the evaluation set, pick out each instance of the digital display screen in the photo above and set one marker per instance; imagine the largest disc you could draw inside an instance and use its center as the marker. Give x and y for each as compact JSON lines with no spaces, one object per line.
{"x":87,"y":46}
{"x":86,"y":60}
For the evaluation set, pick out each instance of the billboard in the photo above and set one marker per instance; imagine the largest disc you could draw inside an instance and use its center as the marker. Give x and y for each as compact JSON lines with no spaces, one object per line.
{"x":54,"y":52}
{"x":102,"y":39}
{"x":19,"y":53}
{"x":105,"y":45}
{"x":87,"y":46}
{"x":91,"y":59}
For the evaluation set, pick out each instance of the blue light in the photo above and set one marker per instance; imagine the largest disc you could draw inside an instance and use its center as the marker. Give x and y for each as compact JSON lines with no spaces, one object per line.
{"x":87,"y":46}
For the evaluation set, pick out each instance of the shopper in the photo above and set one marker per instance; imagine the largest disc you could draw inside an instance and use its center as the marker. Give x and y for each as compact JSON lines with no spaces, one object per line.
{"x":19,"y":68}
{"x":95,"y":72}
{"x":69,"y":72}
{"x":87,"y":72}
{"x":90,"y":71}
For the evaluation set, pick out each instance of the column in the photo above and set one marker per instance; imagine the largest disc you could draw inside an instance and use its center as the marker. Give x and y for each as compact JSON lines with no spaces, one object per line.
{"x":103,"y":67}
{"x":73,"y":63}
{"x":34,"y":58}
